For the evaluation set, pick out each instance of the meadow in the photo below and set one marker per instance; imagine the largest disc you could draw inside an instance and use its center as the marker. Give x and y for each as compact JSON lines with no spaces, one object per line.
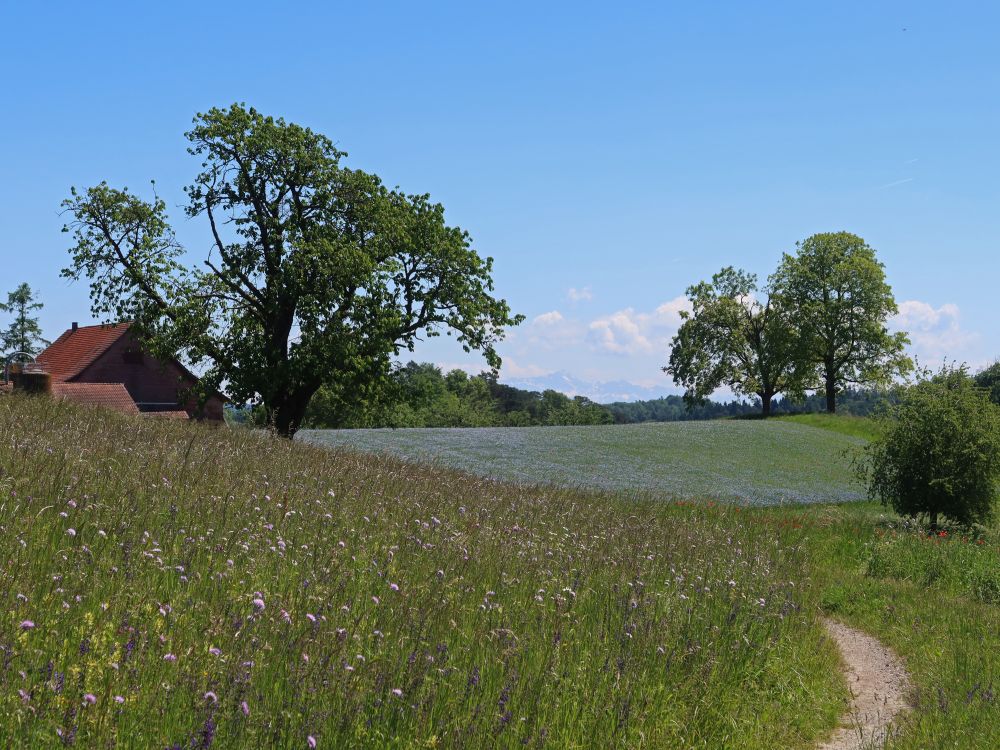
{"x":746,"y":461}
{"x":170,"y":585}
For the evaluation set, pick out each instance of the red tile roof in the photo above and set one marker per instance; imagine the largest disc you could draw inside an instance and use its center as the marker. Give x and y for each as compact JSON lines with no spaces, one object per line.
{"x":109,"y":395}
{"x":71,"y":353}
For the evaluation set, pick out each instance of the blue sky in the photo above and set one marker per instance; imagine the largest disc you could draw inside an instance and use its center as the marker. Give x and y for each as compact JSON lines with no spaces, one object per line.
{"x":607,"y":157}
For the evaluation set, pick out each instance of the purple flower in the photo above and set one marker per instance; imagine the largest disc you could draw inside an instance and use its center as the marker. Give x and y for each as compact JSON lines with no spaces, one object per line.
{"x":311,"y":741}
{"x":394,"y":587}
{"x":90,"y":698}
{"x":397,"y":692}
{"x":169,"y":657}
{"x":71,"y":532}
{"x":259,"y":604}
{"x":311,"y":618}
{"x":245,"y":708}
{"x":211,"y":696}
{"x":27,"y":625}
{"x":119,"y":699}
{"x":215,"y":651}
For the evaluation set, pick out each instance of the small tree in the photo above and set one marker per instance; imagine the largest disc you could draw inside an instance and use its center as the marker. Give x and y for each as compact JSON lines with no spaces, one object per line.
{"x":939,"y":451}
{"x":23,"y":334}
{"x":732,"y":338}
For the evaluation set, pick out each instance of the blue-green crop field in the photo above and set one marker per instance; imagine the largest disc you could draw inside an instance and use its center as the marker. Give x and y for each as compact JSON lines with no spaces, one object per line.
{"x":745,"y":461}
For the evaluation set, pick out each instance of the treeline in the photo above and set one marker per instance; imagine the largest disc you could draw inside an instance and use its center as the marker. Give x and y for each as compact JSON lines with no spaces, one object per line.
{"x":422,"y":395}
{"x":858,"y":402}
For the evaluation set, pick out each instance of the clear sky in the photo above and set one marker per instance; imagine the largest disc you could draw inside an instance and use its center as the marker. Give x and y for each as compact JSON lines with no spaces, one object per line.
{"x":606,"y":155}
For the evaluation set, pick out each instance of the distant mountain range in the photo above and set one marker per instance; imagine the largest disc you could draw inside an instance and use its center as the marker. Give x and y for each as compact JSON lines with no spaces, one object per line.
{"x":602,"y":392}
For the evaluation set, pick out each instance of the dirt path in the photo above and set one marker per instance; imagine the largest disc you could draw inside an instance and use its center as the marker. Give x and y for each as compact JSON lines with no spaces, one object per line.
{"x":878,"y":681}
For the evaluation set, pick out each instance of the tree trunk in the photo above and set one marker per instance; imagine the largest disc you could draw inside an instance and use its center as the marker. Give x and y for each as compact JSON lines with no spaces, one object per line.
{"x":288,"y":411}
{"x":831,"y":389}
{"x":765,"y":404}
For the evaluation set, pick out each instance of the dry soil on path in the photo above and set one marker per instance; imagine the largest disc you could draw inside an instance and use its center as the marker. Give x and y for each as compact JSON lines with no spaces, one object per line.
{"x":878,"y":681}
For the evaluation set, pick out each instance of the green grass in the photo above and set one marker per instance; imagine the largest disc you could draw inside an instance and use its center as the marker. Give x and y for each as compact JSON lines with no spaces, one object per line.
{"x":506,"y":615}
{"x":396,"y":605}
{"x":748,"y":461}
{"x":934,"y":600}
{"x":845,"y":424}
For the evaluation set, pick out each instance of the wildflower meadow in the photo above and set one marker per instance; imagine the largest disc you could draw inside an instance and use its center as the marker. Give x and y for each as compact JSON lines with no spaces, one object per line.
{"x":169,"y":585}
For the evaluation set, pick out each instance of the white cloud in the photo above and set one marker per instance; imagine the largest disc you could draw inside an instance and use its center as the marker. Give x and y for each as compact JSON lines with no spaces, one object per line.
{"x":935,"y":332}
{"x":579,"y":295}
{"x":630,"y":332}
{"x":549,"y":319}
{"x":512,"y":369}
{"x":552,"y":330}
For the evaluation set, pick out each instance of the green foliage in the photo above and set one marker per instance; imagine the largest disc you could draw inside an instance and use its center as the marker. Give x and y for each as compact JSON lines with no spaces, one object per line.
{"x":852,"y":401}
{"x":989,"y":379}
{"x":420,"y":395}
{"x":731,"y":338}
{"x":939,"y":451}
{"x":316,"y":276}
{"x":23,"y":334}
{"x":837,"y":296}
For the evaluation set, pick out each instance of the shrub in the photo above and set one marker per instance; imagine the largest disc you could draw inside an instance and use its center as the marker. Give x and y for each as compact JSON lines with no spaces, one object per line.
{"x":939,"y":452}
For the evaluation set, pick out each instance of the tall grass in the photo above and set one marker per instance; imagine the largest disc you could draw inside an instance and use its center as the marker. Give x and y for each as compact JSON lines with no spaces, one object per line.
{"x":170,"y":585}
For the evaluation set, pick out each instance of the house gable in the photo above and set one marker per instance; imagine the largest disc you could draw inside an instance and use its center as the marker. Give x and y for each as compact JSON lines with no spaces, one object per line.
{"x":113,"y":355}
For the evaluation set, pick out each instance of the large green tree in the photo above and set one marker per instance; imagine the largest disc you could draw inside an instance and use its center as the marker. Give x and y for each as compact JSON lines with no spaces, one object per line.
{"x":316,"y":275}
{"x":836,"y":291}
{"x":23,"y":334}
{"x":734,"y":337}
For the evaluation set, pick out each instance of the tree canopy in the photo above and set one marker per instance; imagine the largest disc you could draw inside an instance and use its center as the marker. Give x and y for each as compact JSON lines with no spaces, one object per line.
{"x":422,"y":395}
{"x":939,"y":451}
{"x":23,"y":334}
{"x":732,"y":338}
{"x":835,"y":290}
{"x":317,"y":274}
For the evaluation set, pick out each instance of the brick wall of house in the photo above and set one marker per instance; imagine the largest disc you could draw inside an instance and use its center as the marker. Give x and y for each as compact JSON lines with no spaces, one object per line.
{"x":146,"y":379}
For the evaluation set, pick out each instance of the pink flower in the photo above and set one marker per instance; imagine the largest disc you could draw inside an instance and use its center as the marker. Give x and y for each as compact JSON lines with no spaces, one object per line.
{"x":90,"y":698}
{"x":397,"y":692}
{"x":245,"y":708}
{"x":119,"y":699}
{"x":311,"y":741}
{"x":71,"y":532}
{"x":394,"y":587}
{"x":27,"y":625}
{"x":375,"y":599}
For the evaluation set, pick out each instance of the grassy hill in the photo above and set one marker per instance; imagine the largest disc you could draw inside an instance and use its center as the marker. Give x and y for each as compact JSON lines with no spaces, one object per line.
{"x":169,"y":585}
{"x":749,"y":461}
{"x":865,"y":428}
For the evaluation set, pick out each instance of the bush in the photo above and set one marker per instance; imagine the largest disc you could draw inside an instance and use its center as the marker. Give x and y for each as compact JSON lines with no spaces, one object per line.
{"x":939,"y":452}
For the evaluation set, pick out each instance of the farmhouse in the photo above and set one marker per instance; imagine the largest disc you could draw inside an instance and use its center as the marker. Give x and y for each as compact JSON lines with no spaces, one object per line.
{"x":105,"y":365}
